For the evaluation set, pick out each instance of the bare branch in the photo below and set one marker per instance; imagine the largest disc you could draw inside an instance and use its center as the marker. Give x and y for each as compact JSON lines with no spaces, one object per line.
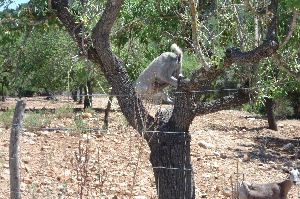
{"x":173,"y":37}
{"x":249,"y":6}
{"x":237,"y":99}
{"x":284,"y":67}
{"x":161,"y":12}
{"x":239,"y":30}
{"x":195,"y":35}
{"x":292,"y":26}
{"x":27,"y":22}
{"x":255,"y":11}
{"x":21,"y":52}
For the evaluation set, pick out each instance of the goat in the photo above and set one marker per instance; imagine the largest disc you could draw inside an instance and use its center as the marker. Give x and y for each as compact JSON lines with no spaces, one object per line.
{"x":161,"y":72}
{"x":273,"y":190}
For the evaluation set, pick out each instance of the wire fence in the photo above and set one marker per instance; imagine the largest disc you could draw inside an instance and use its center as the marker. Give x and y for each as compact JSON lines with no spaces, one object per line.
{"x":64,"y":155}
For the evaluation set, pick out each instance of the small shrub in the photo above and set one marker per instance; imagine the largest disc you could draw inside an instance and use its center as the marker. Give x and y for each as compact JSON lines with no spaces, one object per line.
{"x":80,"y":125}
{"x":65,"y":111}
{"x":283,"y":108}
{"x":7,"y":117}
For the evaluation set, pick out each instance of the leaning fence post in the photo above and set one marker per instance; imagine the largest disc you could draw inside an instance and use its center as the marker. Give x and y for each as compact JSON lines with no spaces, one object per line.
{"x":13,"y":150}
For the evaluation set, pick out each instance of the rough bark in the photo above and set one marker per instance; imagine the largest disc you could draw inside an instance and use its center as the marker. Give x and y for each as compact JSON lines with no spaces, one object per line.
{"x":13,"y":150}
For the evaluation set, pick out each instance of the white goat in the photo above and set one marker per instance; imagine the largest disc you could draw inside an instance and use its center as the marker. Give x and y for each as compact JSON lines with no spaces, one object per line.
{"x":162,"y":72}
{"x":273,"y":190}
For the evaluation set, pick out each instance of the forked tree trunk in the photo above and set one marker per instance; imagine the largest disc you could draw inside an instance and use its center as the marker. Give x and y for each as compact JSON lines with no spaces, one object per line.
{"x":13,"y":150}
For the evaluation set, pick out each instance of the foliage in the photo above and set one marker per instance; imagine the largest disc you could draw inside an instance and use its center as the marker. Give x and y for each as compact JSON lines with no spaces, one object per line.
{"x":33,"y":121}
{"x":47,"y":60}
{"x":64,"y":112}
{"x":6,"y":117}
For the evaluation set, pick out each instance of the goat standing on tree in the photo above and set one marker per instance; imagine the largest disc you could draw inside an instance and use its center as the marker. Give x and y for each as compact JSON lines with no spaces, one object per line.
{"x":162,"y":72}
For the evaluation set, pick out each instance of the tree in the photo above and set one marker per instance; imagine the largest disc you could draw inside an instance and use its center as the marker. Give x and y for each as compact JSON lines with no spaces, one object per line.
{"x":170,"y":152}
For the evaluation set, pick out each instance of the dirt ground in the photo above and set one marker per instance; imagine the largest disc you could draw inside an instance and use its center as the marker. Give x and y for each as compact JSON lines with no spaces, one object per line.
{"x":60,"y":158}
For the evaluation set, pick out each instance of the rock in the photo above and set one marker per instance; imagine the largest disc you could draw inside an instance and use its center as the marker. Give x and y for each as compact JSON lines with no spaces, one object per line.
{"x":29,"y":134}
{"x":86,"y":115}
{"x":280,"y":125}
{"x":288,"y":164}
{"x":227,"y":191}
{"x":208,"y":153}
{"x":139,"y":197}
{"x":206,"y":145}
{"x":27,"y":180}
{"x":216,"y":165}
{"x":223,"y":155}
{"x":288,"y":147}
{"x":86,"y":136}
{"x":206,"y":175}
{"x":245,"y":158}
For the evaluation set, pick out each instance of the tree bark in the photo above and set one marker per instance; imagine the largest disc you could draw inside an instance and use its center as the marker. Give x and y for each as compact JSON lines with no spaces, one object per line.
{"x":171,"y":162}
{"x":270,"y":105}
{"x":13,"y":150}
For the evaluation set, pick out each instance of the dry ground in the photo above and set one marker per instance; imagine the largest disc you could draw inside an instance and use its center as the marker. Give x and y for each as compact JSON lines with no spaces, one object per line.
{"x":68,"y":163}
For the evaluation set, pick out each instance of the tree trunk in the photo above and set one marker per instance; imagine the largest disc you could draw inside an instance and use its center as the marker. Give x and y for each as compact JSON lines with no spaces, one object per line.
{"x":80,"y":94}
{"x":74,"y":95}
{"x":171,"y":162}
{"x":270,"y":104}
{"x":107,"y":110}
{"x":13,"y":150}
{"x":88,"y":94}
{"x":3,"y":97}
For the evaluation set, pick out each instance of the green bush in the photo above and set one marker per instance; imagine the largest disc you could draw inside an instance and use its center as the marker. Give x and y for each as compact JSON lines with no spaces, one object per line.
{"x":7,"y":116}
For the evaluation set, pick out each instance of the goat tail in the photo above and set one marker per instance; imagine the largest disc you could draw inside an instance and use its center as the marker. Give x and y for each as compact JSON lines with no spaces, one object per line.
{"x":178,"y":52}
{"x":176,"y":48}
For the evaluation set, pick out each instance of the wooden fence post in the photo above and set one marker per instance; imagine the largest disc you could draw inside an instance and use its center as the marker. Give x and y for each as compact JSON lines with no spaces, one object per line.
{"x":13,"y":150}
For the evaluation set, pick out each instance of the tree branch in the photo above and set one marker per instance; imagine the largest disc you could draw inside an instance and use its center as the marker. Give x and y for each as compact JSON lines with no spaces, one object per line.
{"x":161,"y":12}
{"x":201,"y":79}
{"x":292,"y":26}
{"x":195,"y":36}
{"x":284,"y":67}
{"x":255,"y":11}
{"x":115,"y":71}
{"x":237,"y":99}
{"x":28,"y":22}
{"x":21,"y":52}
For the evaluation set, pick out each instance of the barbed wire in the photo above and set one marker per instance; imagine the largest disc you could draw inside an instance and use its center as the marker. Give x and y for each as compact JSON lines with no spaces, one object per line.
{"x":192,"y":91}
{"x":107,"y":131}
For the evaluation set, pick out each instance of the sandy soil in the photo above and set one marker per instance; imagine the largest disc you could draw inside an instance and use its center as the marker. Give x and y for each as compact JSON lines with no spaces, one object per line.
{"x":60,"y":160}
